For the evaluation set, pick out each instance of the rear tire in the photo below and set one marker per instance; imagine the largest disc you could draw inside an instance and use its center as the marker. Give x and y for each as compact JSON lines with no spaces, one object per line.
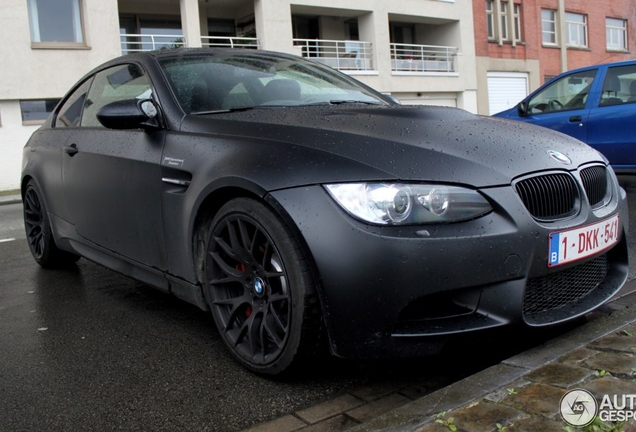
{"x":38,"y":231}
{"x":260,"y":288}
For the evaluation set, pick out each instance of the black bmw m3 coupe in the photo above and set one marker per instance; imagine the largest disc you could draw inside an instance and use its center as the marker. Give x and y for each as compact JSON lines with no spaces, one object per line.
{"x":301,"y":207}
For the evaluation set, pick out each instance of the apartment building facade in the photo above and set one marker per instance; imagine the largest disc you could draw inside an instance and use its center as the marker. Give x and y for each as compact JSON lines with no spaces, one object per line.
{"x":521,"y":44}
{"x":420,"y":51}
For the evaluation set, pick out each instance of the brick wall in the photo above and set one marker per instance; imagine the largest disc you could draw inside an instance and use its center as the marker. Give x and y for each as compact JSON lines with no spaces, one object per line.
{"x":532,"y":47}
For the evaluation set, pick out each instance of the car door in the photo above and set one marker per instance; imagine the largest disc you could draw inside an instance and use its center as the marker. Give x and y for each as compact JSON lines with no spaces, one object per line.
{"x":564,"y":104}
{"x":50,"y":150}
{"x":112,"y":178}
{"x":612,"y":120}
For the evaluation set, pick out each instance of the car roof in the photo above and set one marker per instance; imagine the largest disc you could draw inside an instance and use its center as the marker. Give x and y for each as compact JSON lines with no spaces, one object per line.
{"x":186,"y":52}
{"x":600,"y":65}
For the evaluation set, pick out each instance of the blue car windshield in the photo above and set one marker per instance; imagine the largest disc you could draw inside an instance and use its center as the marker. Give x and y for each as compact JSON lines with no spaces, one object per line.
{"x":210,"y":83}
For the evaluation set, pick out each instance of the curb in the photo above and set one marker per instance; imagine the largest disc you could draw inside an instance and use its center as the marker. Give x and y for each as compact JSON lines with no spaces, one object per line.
{"x":10,"y":199}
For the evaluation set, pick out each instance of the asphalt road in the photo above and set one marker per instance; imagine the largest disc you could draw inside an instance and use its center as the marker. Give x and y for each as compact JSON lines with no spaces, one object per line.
{"x":89,"y":349}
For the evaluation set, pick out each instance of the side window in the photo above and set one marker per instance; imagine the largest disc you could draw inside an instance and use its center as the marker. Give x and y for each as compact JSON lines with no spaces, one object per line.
{"x":619,"y":86}
{"x":111,"y":85}
{"x":71,"y":112}
{"x":566,"y":93}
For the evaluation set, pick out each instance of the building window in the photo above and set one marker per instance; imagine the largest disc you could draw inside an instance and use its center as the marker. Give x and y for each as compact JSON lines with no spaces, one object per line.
{"x":492,"y":16}
{"x":616,"y":30}
{"x":141,"y":34}
{"x":549,"y":27}
{"x":56,"y":21}
{"x":402,"y":33}
{"x":575,"y":29}
{"x":352,"y":31}
{"x":36,"y":111}
{"x":221,"y":27}
{"x":516,"y":15}
{"x":504,"y":20}
{"x":305,"y":27}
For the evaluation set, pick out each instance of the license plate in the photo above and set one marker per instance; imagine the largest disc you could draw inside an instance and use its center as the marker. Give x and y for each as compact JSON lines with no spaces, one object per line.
{"x":575,"y":244}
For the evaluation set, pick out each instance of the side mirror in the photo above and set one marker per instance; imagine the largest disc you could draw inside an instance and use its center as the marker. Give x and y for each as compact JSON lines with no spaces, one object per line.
{"x":522,"y":108}
{"x":129,"y":114}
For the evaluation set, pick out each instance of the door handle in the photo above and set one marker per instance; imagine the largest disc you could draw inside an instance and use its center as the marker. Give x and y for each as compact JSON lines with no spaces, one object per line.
{"x":574,"y":119}
{"x":71,"y":150}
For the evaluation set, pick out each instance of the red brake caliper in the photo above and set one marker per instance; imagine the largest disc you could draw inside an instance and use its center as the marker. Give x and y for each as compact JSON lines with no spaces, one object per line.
{"x":241,"y":267}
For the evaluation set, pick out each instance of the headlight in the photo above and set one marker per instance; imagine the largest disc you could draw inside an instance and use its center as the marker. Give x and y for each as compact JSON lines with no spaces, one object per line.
{"x":407,"y":204}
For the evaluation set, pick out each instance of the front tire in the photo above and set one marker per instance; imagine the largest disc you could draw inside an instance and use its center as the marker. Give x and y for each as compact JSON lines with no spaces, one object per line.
{"x":260,"y":288}
{"x":38,"y":231}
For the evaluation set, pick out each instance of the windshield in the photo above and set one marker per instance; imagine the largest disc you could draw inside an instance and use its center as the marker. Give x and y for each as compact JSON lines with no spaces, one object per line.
{"x":208,"y":83}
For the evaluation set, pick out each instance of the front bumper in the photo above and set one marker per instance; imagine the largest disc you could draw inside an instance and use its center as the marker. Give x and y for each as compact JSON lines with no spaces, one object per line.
{"x":400,"y":291}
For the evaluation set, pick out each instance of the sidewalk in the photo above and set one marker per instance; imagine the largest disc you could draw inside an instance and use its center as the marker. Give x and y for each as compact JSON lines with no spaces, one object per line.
{"x":12,"y":198}
{"x":522,"y":393}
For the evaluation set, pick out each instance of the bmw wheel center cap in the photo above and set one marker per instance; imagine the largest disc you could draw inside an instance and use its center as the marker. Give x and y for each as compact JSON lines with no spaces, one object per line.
{"x":259,"y":286}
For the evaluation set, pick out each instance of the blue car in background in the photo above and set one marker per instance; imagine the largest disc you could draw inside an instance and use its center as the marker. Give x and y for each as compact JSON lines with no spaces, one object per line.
{"x":596,"y":104}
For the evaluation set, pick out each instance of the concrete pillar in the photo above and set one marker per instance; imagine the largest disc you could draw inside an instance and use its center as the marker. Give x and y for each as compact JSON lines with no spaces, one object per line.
{"x":468,"y":100}
{"x":497,"y":17}
{"x":274,"y":25}
{"x":374,"y":27}
{"x":190,"y":22}
{"x":562,"y":36}
{"x":511,"y":22}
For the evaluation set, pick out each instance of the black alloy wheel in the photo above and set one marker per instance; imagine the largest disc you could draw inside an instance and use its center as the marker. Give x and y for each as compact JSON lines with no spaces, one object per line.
{"x":34,"y":222}
{"x":38,"y":231}
{"x":259,"y":287}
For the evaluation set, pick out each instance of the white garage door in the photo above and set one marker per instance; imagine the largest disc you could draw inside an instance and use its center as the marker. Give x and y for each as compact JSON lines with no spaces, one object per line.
{"x":505,"y":90}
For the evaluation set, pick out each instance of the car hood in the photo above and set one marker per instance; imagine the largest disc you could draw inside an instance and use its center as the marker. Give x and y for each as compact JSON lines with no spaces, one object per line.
{"x":409,"y":143}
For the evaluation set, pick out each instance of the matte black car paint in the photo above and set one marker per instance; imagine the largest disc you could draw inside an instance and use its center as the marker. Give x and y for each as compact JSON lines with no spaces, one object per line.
{"x":151,"y":207}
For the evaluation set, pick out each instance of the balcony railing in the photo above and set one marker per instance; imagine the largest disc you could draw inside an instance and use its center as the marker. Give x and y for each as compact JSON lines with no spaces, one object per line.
{"x":131,"y":43}
{"x":339,"y":54}
{"x":422,"y":58}
{"x":230,"y":42}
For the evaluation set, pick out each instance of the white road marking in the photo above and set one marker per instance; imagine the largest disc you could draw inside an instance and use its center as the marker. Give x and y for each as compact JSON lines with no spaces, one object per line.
{"x":7,"y":240}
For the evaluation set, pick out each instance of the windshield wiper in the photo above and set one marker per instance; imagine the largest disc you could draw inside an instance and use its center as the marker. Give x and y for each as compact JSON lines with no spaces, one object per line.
{"x":340,"y":102}
{"x":221,"y":111}
{"x":351,"y":101}
{"x":331,"y":102}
